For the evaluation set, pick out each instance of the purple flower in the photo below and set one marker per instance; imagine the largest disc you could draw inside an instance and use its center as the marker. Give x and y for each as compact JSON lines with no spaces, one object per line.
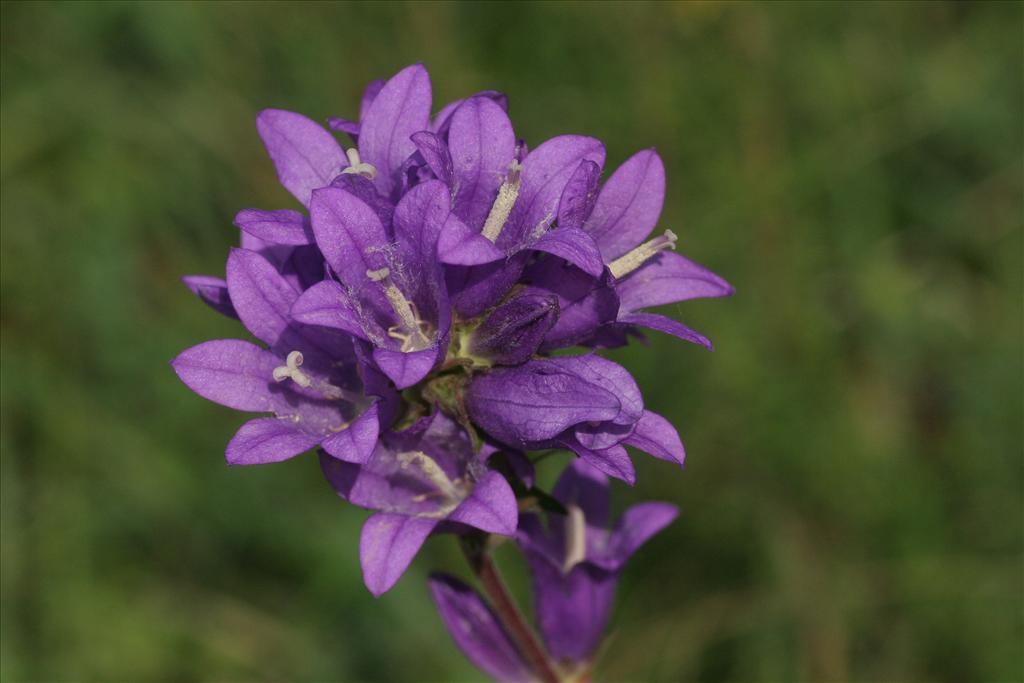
{"x":308,"y":379}
{"x":418,"y":479}
{"x":576,"y":561}
{"x":584,"y":403}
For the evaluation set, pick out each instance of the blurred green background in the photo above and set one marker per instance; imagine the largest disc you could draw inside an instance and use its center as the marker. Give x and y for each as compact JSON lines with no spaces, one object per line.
{"x":852,"y":502}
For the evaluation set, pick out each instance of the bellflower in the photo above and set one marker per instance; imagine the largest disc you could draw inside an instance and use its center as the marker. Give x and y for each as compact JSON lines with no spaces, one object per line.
{"x":417,"y":479}
{"x":575,"y":563}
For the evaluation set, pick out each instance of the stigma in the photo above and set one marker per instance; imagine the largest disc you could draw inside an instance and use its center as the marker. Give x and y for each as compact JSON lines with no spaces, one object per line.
{"x":502,"y":207}
{"x":357,"y":166}
{"x":291,"y":370}
{"x":575,"y":538}
{"x":630,"y":261}
{"x":411,"y":331}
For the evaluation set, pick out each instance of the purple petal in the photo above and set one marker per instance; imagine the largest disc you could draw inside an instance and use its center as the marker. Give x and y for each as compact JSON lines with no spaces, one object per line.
{"x":587,"y":487}
{"x":435,"y":153}
{"x":276,"y":227}
{"x":512,"y":333}
{"x":306,"y":156}
{"x":667,"y":279}
{"x":373,"y":89}
{"x":261,"y":296}
{"x":230,"y":372}
{"x":405,"y":368}
{"x":574,"y":246}
{"x":612,"y":461}
{"x":668,"y":326}
{"x":572,"y":610}
{"x":544,"y":175}
{"x":474,"y":289}
{"x":401,"y":108}
{"x":636,"y":526}
{"x":268,"y":439}
{"x":584,"y":304}
{"x":579,"y":195}
{"x":356,"y":442}
{"x":443,"y":120}
{"x":387,"y":546}
{"x":536,"y":401}
{"x":419,"y":220}
{"x":364,"y":189}
{"x":482,"y":147}
{"x":476,"y":631}
{"x":490,"y":507}
{"x":628,"y":207}
{"x":326,"y":304}
{"x":461,"y":245}
{"x":346,"y":126}
{"x":656,"y":435}
{"x":612,"y":377}
{"x":213,"y":291}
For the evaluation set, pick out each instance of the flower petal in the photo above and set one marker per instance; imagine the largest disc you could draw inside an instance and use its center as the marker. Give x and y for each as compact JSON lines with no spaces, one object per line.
{"x":611,"y":376}
{"x":443,"y":120}
{"x":401,"y":108}
{"x":586,"y":486}
{"x":261,"y":296}
{"x":276,"y":227}
{"x":387,"y":546}
{"x":405,"y":368}
{"x":306,"y":156}
{"x":435,"y":153}
{"x":268,"y":439}
{"x":356,"y":442}
{"x":613,"y":461}
{"x":637,"y":525}
{"x":536,"y":401}
{"x":668,"y":326}
{"x":656,"y":435}
{"x":461,"y":245}
{"x":482,"y":145}
{"x":326,"y":304}
{"x":491,"y":507}
{"x":628,"y":207}
{"x":213,"y":291}
{"x":512,"y":333}
{"x":574,"y":246}
{"x":545,"y":172}
{"x":230,"y":372}
{"x":667,"y":279}
{"x":579,"y":195}
{"x":476,"y":631}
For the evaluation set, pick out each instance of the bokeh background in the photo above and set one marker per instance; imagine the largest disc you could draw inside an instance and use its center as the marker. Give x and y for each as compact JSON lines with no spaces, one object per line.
{"x":852,"y":505}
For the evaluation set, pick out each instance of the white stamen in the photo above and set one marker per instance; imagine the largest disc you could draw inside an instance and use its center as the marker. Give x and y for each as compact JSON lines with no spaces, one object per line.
{"x":627,"y":263}
{"x":411,"y":329}
{"x":432,"y":471}
{"x":575,"y":538}
{"x":356,"y":165}
{"x":503,"y":204}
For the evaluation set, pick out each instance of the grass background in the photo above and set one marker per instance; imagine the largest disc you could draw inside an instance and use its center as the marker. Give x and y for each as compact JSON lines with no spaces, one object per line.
{"x":852,"y":502}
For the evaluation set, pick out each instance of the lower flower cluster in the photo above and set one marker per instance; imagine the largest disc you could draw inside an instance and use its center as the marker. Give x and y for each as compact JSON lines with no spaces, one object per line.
{"x":408,"y":320}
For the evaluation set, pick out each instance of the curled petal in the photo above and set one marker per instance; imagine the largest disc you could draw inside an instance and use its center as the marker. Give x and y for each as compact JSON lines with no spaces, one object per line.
{"x":656,"y":435}
{"x":667,"y":325}
{"x":213,"y":291}
{"x":356,"y":442}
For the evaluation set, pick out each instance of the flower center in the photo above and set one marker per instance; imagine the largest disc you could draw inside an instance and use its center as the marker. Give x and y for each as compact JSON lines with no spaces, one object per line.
{"x":627,"y":263}
{"x":429,"y":468}
{"x":411,"y":331}
{"x":290,"y":370}
{"x":503,"y":204}
{"x":575,"y":538}
{"x":357,"y":166}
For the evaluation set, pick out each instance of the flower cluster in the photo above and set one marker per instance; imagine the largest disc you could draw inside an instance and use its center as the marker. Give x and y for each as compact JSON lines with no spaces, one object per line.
{"x":408,"y":319}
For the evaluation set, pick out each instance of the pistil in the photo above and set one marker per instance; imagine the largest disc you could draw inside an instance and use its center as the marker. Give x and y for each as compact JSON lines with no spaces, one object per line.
{"x":357,"y":166}
{"x":290,"y":370}
{"x":502,"y":207}
{"x":627,"y":263}
{"x":410,"y":330}
{"x":432,"y":471}
{"x":575,"y":538}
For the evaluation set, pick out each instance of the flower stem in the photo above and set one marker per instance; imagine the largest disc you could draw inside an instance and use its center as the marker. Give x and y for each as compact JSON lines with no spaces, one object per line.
{"x":479,"y":558}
